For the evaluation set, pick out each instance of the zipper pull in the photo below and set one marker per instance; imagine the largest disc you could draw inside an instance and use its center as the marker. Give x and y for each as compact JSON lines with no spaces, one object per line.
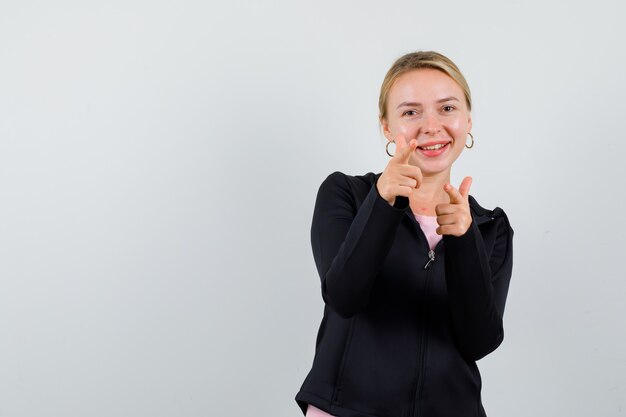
{"x":431,"y":258}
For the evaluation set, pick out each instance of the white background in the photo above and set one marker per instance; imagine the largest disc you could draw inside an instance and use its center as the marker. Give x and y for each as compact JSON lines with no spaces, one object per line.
{"x":158,"y":168}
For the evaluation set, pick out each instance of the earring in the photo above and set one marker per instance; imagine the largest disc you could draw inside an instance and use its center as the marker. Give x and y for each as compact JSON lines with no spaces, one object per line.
{"x":387,"y":147}
{"x":472,"y":137}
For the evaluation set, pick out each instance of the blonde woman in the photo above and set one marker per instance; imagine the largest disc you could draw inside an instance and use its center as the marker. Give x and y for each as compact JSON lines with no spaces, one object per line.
{"x":414,"y":271}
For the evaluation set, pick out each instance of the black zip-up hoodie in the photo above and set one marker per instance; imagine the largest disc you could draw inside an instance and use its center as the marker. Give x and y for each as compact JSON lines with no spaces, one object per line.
{"x":401,"y":332}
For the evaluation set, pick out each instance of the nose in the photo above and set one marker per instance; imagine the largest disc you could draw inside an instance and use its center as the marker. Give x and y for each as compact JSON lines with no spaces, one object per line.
{"x":432,"y":124}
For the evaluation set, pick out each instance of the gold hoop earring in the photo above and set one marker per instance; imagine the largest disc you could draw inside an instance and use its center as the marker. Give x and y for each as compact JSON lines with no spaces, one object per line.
{"x":472,"y":137}
{"x":387,"y":147}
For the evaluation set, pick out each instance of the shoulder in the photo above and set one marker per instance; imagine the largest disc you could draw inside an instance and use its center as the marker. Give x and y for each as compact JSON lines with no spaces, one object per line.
{"x":349,"y":191}
{"x":357,"y":181}
{"x":496,"y":231}
{"x":356,"y":185}
{"x":482,"y":214}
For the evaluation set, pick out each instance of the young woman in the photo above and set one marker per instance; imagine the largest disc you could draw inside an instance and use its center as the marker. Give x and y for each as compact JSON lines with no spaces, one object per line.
{"x":414,"y":271}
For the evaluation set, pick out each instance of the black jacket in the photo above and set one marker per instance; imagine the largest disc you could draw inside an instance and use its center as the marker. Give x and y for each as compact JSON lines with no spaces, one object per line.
{"x":400,"y":335}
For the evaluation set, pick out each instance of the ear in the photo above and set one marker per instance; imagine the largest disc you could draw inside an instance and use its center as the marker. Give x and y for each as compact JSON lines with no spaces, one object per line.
{"x":385,"y":128}
{"x":469,"y":122}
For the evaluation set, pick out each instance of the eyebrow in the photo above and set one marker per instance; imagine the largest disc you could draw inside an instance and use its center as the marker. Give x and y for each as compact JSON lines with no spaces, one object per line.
{"x":414,"y":103}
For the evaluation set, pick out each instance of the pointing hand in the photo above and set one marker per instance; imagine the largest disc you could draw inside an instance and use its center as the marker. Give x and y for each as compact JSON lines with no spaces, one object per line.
{"x":399,"y":178}
{"x":455,"y":218}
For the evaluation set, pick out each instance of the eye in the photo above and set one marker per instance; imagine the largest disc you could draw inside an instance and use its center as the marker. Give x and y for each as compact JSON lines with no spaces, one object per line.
{"x":448,"y":108}
{"x":410,"y":113}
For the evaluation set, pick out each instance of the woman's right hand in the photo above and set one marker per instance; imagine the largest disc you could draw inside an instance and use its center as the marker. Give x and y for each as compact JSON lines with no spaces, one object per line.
{"x":399,"y":178}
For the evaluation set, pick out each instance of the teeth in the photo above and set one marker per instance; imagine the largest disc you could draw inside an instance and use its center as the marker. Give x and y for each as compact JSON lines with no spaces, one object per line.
{"x":434,"y":147}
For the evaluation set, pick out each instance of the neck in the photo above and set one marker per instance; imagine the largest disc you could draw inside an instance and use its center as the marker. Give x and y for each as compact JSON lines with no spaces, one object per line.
{"x":430,"y":193}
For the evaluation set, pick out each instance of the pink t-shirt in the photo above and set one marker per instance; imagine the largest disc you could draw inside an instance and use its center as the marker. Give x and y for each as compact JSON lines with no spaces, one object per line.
{"x":312,"y":411}
{"x":429,"y":226}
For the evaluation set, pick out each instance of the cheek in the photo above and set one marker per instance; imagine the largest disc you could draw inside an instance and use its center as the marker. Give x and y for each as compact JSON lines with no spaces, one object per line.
{"x":458,"y":126}
{"x":405,"y":129}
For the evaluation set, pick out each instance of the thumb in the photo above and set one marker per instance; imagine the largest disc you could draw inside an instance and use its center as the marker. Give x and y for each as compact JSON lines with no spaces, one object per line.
{"x":464,"y":188}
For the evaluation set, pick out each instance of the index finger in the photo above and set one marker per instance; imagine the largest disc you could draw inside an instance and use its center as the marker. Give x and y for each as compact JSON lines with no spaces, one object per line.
{"x":454,"y":194}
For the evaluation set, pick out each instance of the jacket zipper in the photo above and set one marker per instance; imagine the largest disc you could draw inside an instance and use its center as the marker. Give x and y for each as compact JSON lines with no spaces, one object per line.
{"x":431,"y":258}
{"x":424,"y":341}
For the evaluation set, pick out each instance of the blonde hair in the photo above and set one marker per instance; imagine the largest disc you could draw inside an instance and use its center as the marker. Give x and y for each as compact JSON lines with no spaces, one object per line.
{"x":418,"y":60}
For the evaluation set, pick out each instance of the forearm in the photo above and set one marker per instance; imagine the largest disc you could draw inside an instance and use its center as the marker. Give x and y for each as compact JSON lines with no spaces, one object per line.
{"x":477,"y":294}
{"x":349,"y":247}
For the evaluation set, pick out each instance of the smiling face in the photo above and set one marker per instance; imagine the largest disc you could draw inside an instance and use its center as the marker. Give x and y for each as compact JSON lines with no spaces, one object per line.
{"x":427,"y":105}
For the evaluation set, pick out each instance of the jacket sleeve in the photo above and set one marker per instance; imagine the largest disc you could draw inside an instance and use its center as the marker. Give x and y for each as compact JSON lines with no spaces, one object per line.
{"x":477,"y":287}
{"x":351,"y":241}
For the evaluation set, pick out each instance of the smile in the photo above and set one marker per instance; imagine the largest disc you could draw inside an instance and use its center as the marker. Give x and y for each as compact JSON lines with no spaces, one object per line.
{"x":433,"y":147}
{"x":434,"y":150}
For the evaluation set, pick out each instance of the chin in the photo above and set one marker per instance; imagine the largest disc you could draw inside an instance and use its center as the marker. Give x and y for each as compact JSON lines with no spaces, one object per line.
{"x":430,"y":169}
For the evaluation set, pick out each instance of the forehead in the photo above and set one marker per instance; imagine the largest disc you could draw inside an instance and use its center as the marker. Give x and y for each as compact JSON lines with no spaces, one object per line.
{"x":424,"y":85}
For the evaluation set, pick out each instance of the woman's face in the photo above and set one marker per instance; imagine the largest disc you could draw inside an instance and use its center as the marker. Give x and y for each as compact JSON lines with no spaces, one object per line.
{"x":428,"y":105}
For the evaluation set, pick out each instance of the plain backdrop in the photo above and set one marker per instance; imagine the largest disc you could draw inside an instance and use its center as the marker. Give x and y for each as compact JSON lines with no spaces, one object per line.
{"x":159,"y":163}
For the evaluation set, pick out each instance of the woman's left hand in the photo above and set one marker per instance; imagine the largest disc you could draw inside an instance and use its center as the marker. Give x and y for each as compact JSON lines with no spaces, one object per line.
{"x":455,"y":218}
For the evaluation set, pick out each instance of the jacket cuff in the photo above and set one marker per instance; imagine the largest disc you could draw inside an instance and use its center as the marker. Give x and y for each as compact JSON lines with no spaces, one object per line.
{"x":401,"y":203}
